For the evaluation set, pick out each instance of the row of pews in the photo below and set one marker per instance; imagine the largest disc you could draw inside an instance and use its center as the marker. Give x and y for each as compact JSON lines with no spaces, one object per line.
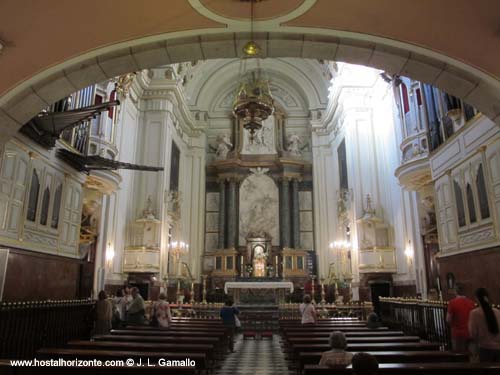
{"x":202,"y":341}
{"x":396,"y":352}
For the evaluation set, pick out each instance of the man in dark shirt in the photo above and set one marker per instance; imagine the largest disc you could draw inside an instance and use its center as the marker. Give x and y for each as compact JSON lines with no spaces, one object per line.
{"x":228,"y":314}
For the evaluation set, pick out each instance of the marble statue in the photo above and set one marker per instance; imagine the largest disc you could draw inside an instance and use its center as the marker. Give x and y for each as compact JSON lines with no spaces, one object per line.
{"x":174,"y":203}
{"x":294,"y":143}
{"x":223,"y":147}
{"x":148,"y":212}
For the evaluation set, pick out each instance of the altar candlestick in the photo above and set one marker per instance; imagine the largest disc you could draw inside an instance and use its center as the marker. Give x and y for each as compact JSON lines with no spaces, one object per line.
{"x":192,"y":293}
{"x":312,"y":289}
{"x":204,"y":290}
{"x":242,"y":267}
{"x":323,"y":301}
{"x":277,"y":267}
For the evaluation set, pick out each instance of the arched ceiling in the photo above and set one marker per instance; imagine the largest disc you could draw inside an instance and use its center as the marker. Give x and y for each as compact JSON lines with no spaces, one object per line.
{"x":303,"y":79}
{"x":53,"y":48}
{"x":40,"y":34}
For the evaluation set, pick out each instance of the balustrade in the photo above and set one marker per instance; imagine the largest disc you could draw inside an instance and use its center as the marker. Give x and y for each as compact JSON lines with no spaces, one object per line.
{"x":26,"y":327}
{"x":426,"y":319}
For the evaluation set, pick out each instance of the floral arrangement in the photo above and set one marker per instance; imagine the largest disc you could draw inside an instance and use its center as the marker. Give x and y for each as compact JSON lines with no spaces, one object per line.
{"x":249,"y":268}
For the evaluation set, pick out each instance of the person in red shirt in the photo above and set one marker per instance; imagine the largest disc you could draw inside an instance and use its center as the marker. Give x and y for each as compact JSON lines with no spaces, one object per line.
{"x":457,"y":317}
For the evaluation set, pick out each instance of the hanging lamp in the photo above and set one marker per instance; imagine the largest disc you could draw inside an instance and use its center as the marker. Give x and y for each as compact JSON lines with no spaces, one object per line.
{"x":253,"y":103}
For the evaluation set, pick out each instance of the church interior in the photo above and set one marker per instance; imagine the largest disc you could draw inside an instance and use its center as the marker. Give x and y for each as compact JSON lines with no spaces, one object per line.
{"x":262,"y":157}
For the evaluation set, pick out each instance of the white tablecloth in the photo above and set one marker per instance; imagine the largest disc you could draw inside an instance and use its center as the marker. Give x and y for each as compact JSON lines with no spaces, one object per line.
{"x":258,"y":285}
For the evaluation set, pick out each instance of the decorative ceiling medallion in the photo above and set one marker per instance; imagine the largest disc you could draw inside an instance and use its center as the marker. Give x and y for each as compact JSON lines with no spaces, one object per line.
{"x":264,"y":9}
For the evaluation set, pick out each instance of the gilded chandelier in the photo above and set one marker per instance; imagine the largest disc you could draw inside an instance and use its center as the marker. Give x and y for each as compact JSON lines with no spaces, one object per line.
{"x":253,"y":103}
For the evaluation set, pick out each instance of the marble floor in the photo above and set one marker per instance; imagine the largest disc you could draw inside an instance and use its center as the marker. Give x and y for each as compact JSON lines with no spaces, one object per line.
{"x":255,"y":357}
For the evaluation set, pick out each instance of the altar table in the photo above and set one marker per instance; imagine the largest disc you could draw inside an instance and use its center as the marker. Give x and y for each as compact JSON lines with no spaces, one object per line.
{"x":276,"y":288}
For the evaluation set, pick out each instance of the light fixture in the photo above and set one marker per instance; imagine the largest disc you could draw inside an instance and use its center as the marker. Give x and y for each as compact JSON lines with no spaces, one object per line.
{"x":253,"y":103}
{"x":251,"y":49}
{"x":110,"y":254}
{"x":409,"y":251}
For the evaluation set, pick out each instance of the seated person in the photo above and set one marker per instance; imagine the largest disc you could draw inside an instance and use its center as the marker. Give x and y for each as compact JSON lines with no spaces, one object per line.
{"x":364,"y":364}
{"x":337,"y":357}
{"x":373,"y":321}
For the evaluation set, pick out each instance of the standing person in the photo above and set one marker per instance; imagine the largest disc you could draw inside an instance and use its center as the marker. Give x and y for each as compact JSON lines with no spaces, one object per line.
{"x":484,"y":328}
{"x":127,"y":300}
{"x":459,"y":309}
{"x":118,"y":309}
{"x":161,"y":310}
{"x":228,"y":314}
{"x":337,"y":357}
{"x":104,"y":314}
{"x":136,"y":309}
{"x":308,"y":311}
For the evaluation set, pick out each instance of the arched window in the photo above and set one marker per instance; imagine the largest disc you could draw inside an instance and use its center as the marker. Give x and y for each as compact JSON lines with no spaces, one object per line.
{"x":405,"y":98}
{"x":45,"y":206}
{"x":57,"y":207}
{"x":471,"y":204}
{"x":460,"y":204}
{"x":484,"y":207}
{"x":33,"y":196}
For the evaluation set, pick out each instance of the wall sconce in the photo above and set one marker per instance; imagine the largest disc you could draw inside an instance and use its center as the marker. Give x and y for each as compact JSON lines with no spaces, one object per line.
{"x":110,"y":254}
{"x":340,"y":245}
{"x":409,"y":251}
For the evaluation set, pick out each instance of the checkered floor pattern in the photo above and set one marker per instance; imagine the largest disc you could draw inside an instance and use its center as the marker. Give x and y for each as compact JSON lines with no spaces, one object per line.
{"x":255,"y":357}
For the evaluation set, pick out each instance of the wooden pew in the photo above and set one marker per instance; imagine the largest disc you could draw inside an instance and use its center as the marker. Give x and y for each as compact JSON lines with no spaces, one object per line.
{"x":207,"y":349}
{"x":7,"y":369}
{"x":366,"y":347}
{"x":217,"y":342}
{"x":313,"y":358}
{"x":326,"y":333}
{"x":187,"y":333}
{"x":349,"y":339}
{"x":158,"y":339}
{"x":153,"y":357}
{"x":334,"y":328}
{"x":415,"y":369}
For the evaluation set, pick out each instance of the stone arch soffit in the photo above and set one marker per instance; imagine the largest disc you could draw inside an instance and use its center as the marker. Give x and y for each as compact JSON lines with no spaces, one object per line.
{"x":25,"y":100}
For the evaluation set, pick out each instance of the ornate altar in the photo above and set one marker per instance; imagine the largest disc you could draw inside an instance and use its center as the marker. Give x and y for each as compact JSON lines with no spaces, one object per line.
{"x":294,"y":263}
{"x":257,"y":260}
{"x":225,"y":263}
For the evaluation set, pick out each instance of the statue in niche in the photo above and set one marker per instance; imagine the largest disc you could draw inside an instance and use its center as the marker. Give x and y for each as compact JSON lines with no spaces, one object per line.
{"x":343,"y":205}
{"x":174,"y":201}
{"x":429,"y":220}
{"x":294,"y":144}
{"x":223,"y":147}
{"x":148,"y":212}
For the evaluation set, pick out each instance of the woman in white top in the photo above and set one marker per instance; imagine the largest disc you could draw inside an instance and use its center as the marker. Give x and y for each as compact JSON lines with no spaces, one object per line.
{"x":308,"y":311}
{"x":162,"y":311}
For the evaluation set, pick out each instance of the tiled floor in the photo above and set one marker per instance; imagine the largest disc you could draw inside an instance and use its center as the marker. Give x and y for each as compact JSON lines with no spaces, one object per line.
{"x":255,"y":357}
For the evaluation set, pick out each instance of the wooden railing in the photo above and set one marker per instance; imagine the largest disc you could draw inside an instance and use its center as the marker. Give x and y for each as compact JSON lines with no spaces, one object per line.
{"x":426,"y":319}
{"x":358,"y":309}
{"x":26,"y":327}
